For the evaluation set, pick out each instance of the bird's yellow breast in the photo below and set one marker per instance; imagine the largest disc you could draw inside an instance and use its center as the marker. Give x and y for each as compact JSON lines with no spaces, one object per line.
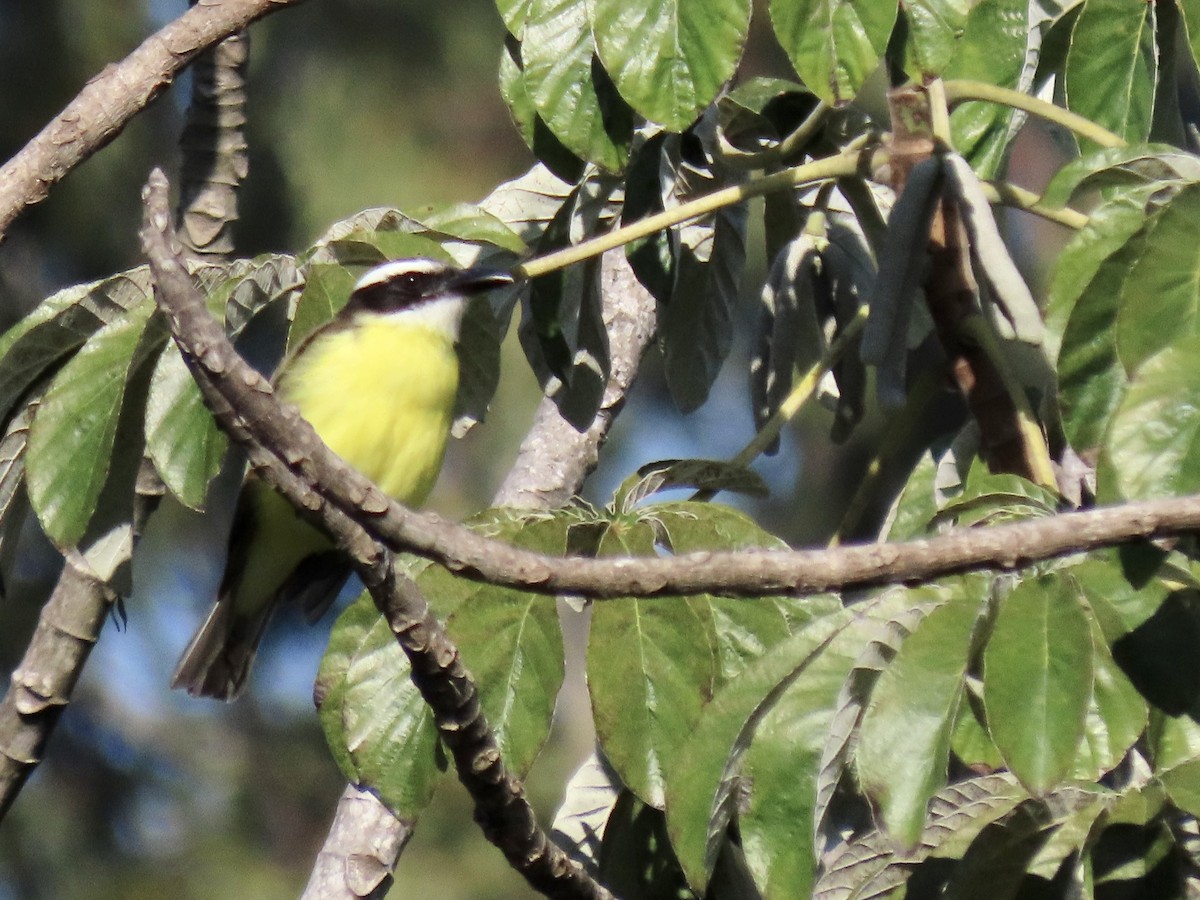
{"x":381,"y":395}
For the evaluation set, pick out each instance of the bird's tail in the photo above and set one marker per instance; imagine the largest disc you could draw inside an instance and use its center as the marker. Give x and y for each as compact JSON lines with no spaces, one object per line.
{"x":217,"y":661}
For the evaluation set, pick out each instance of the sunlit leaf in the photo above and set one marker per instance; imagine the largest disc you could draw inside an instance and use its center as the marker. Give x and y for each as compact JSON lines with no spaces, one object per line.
{"x":568,"y":88}
{"x":1112,"y":66}
{"x":833,"y":45}
{"x":669,"y":58}
{"x":1038,"y":677}
{"x":72,"y":437}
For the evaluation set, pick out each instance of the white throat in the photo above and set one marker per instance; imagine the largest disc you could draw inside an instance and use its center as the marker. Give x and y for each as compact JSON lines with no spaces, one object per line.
{"x":442,"y":316}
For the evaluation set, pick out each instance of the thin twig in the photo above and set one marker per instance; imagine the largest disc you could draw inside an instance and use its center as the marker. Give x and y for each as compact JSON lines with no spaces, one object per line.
{"x":960,"y":91}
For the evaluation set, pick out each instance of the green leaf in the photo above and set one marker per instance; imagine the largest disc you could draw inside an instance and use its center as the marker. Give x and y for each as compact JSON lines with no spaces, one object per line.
{"x":375,"y":721}
{"x":904,"y":740}
{"x":1154,"y":439}
{"x":670,"y":58}
{"x":651,"y":667}
{"x":61,"y":324}
{"x":992,"y":49}
{"x":1110,"y":226}
{"x":833,"y":45}
{"x":701,"y":788}
{"x":935,"y":28}
{"x":1164,"y":284}
{"x":1037,"y":681}
{"x":1091,"y":377}
{"x":72,"y":436}
{"x":1112,"y":68}
{"x":182,"y":438}
{"x":569,"y":90}
{"x":1116,"y":717}
{"x":697,"y":330}
{"x":1131,"y":166}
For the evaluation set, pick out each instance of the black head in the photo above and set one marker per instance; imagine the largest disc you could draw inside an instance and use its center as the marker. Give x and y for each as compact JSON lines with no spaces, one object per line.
{"x":408,"y":283}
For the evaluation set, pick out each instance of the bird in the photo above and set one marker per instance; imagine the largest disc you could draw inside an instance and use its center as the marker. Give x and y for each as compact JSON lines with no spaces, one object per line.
{"x":378,"y":384}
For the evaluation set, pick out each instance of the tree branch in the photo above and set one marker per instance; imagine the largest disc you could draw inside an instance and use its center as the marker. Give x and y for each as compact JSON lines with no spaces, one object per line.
{"x":101,"y":110}
{"x":327,"y":479}
{"x":501,"y":809}
{"x":40,"y":687}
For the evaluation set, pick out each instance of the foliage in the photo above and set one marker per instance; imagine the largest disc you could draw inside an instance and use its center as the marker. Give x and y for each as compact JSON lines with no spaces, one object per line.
{"x":1007,"y":729}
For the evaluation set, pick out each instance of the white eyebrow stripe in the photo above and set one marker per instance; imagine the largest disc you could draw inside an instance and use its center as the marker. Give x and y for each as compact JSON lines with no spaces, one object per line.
{"x":387,"y":271}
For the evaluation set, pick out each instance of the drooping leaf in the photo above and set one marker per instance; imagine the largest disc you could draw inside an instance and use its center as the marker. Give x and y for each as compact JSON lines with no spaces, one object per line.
{"x":904,"y":741}
{"x":1116,"y":717}
{"x":993,"y":50}
{"x":669,"y":58}
{"x":1091,"y":377}
{"x":72,"y":437}
{"x":697,"y":330}
{"x":651,"y":667}
{"x":181,"y":436}
{"x":789,"y":333}
{"x":1112,"y":66}
{"x":1038,"y":678}
{"x":833,"y":45}
{"x":569,"y":90}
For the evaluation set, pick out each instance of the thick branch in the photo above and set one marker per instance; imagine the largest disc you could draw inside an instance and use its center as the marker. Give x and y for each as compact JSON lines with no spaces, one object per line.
{"x":40,"y":687}
{"x":106,"y":104}
{"x":437,"y":670}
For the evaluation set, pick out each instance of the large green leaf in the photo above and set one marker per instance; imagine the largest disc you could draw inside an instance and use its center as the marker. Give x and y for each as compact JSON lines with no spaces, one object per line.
{"x":701,"y":791}
{"x":833,"y":44}
{"x":904,"y":740}
{"x":1164,"y":284}
{"x":375,"y":721}
{"x":1116,"y":717}
{"x":1091,"y":377}
{"x":1038,"y":677}
{"x":934,"y":29}
{"x":1160,"y":165}
{"x":182,"y":438}
{"x":570,"y":92}
{"x":1110,"y":226}
{"x":60,"y":324}
{"x":1112,"y":66}
{"x":992,"y":49}
{"x":72,"y":436}
{"x":651,"y":666}
{"x":1154,"y":440}
{"x":669,"y":58}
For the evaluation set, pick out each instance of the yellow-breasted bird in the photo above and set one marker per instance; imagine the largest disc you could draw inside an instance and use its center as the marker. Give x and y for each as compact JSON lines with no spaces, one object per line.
{"x":378,"y":383}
